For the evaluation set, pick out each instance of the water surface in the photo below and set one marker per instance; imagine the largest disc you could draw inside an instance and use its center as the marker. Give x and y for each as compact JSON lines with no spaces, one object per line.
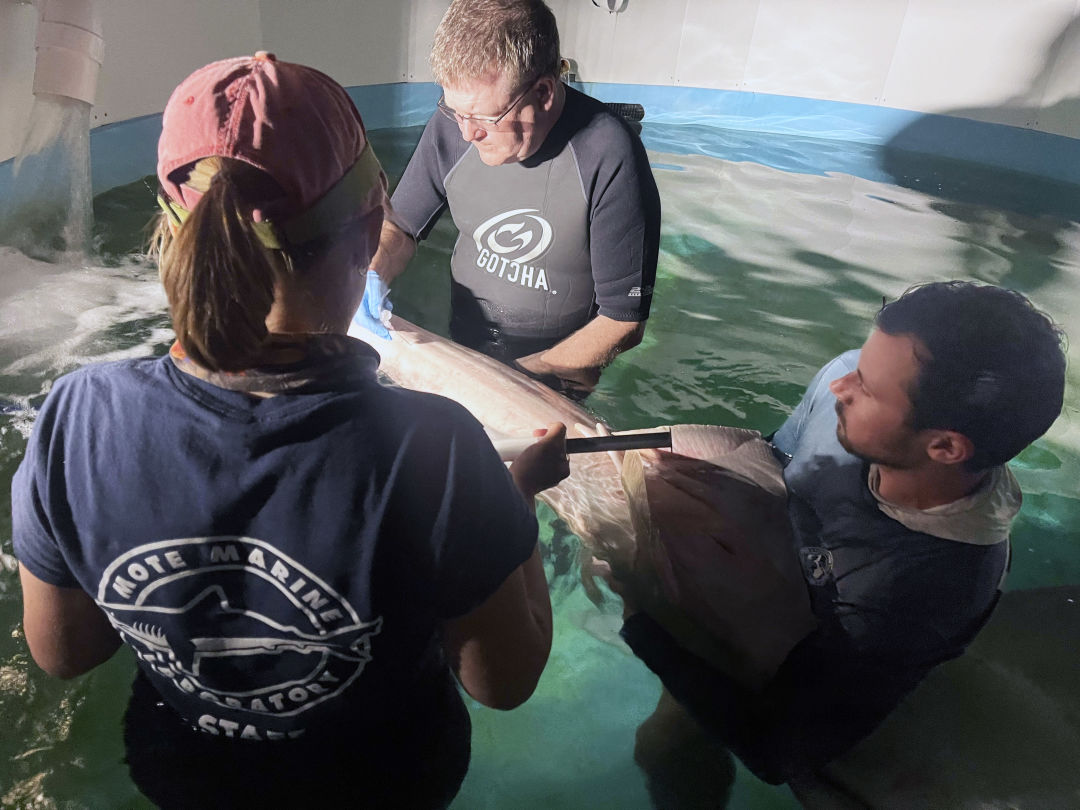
{"x":776,"y":253}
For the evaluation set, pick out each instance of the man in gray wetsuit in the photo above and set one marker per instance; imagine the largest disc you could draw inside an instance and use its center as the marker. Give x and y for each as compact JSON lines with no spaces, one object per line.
{"x":557,"y":209}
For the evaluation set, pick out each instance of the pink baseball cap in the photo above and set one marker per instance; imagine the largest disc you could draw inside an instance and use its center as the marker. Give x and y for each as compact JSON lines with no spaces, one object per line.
{"x":291,"y":121}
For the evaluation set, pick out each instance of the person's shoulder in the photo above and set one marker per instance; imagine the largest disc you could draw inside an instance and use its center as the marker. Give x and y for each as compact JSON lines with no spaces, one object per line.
{"x":93,"y":394}
{"x":836,"y":368}
{"x":432,"y":430}
{"x":846,"y":362}
{"x":610,"y":156}
{"x":443,"y":137}
{"x":429,"y":412}
{"x":97,"y":377}
{"x":594,"y":124}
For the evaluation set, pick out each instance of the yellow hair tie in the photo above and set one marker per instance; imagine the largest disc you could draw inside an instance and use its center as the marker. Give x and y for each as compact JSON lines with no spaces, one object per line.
{"x":344,"y":200}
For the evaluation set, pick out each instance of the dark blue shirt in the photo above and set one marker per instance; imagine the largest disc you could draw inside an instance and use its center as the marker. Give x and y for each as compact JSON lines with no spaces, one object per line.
{"x":279,"y":565}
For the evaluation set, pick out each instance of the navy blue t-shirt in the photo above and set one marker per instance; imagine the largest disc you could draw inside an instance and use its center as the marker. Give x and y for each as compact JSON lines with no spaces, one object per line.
{"x":548,"y":242}
{"x":279,"y":565}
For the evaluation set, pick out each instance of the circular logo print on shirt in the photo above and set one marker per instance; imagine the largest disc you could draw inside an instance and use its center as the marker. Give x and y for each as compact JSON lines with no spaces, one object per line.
{"x":234,"y":622}
{"x":520,"y":235}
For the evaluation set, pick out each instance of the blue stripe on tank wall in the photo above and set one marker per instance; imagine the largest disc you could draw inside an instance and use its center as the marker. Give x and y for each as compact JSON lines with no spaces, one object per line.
{"x":1009,"y":147}
{"x":395,"y":105}
{"x":833,"y":136}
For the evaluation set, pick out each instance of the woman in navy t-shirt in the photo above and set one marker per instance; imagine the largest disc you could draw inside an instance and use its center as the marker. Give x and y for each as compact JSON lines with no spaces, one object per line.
{"x":299,"y":557}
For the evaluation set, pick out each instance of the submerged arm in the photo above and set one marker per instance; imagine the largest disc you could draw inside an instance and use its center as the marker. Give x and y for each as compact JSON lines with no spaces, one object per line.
{"x":499,"y":650}
{"x":623,"y":244}
{"x":580,"y":356}
{"x":816,"y":706}
{"x":396,"y":249}
{"x":68,"y":634}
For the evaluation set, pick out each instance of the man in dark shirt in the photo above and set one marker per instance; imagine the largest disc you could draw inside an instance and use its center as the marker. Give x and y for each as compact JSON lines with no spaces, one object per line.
{"x":557,"y":209}
{"x":900,"y":504}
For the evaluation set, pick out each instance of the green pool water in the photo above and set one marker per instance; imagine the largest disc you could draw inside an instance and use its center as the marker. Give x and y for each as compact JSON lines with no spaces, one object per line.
{"x":772,"y":261}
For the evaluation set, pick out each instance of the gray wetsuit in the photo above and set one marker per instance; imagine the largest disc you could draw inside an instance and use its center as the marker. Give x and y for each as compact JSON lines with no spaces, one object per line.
{"x":544,"y":244}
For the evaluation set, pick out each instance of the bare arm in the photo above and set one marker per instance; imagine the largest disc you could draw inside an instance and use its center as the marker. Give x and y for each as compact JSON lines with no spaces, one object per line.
{"x":396,"y":249}
{"x":499,"y":650}
{"x":582,"y":355}
{"x":67,"y":632}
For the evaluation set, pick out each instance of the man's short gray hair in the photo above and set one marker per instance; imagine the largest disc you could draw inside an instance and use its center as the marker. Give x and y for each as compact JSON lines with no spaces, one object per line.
{"x":516,"y":39}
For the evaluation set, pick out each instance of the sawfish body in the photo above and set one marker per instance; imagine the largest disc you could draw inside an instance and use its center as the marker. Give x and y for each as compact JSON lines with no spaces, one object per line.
{"x":681,"y":530}
{"x":509,"y":405}
{"x":592,"y":500}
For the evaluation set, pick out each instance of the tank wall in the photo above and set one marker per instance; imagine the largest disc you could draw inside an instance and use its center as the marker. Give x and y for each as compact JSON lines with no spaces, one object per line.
{"x":18,"y":22}
{"x":997,"y":61}
{"x":149,"y":47}
{"x":360,"y":43}
{"x":990,"y":60}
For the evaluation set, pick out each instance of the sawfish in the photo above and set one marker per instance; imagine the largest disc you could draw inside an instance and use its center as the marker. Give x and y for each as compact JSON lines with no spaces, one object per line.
{"x":736,"y":598}
{"x":511,"y":405}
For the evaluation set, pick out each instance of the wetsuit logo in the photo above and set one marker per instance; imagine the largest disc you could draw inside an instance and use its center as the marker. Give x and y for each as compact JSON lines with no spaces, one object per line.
{"x":234,"y":622}
{"x":507,"y":242}
{"x":817,"y":564}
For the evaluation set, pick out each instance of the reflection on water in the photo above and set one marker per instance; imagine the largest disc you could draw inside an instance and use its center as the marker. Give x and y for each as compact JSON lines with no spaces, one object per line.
{"x":776,"y":253}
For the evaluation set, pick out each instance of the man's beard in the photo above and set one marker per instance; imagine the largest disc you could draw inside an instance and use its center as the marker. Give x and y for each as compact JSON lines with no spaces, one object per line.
{"x":881,"y":457}
{"x":841,"y":435}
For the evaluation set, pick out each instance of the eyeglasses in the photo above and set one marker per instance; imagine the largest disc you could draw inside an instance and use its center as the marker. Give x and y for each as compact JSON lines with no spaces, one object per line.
{"x":482,"y":121}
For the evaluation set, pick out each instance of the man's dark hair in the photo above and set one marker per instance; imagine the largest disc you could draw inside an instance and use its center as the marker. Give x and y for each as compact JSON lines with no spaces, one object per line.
{"x":991,"y":366}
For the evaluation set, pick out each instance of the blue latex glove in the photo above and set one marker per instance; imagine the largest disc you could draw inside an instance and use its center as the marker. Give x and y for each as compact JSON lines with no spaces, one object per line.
{"x":374,"y":312}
